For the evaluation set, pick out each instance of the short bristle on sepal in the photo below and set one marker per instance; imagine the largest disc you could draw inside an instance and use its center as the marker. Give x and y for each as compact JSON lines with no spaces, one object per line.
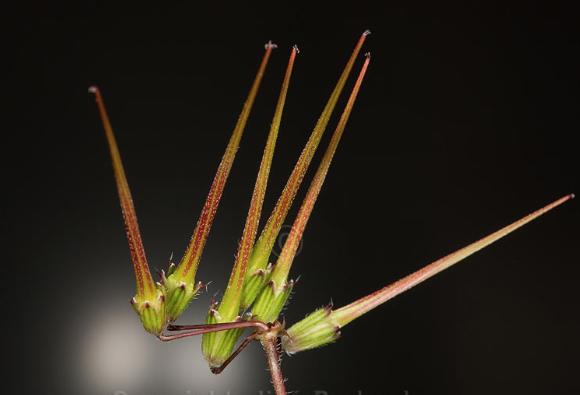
{"x":229,"y":307}
{"x":187,"y":268}
{"x":282,"y":267}
{"x":314,"y":330}
{"x":170,"y":269}
{"x":148,"y":294}
{"x":260,"y":255}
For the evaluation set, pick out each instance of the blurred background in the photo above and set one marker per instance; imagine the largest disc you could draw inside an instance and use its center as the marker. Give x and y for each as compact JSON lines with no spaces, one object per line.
{"x":467,"y":120}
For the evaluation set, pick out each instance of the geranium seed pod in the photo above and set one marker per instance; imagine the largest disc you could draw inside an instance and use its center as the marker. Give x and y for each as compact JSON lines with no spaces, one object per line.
{"x":184,"y":274}
{"x":151,"y":312}
{"x":149,"y":302}
{"x":270,"y":303}
{"x":316,"y":329}
{"x":229,"y":307}
{"x":216,"y":347}
{"x":261,"y":251}
{"x":280,"y":271}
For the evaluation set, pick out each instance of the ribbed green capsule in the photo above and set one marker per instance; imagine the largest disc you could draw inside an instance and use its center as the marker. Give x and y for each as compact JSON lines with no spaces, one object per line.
{"x":180,"y":293}
{"x":270,"y":302}
{"x":151,"y":311}
{"x":208,"y":340}
{"x":218,"y":346}
{"x":315,"y":330}
{"x":253,"y":285}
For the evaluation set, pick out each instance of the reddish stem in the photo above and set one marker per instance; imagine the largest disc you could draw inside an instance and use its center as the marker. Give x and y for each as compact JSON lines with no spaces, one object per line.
{"x":247,"y":340}
{"x":226,"y":325}
{"x":201,"y":329}
{"x":271,"y":349}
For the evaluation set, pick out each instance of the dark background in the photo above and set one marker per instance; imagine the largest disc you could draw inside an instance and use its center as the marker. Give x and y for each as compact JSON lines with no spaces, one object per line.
{"x":466,"y":121}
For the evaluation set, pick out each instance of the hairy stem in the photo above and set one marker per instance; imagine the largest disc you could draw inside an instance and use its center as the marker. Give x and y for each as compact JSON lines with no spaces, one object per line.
{"x":271,"y":349}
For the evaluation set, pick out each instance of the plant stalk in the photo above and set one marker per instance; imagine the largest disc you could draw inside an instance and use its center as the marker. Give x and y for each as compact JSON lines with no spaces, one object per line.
{"x":209,"y":328}
{"x":271,"y":349}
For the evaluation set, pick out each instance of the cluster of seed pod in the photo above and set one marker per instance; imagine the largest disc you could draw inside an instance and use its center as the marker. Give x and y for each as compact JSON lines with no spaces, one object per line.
{"x":257,"y":289}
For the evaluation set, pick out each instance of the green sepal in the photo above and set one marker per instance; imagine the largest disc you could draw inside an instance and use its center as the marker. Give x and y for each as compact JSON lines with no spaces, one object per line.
{"x":151,"y":311}
{"x":254,"y":284}
{"x":270,"y":303}
{"x":315,"y":330}
{"x":218,"y":346}
{"x":208,"y":338}
{"x":179,"y":293}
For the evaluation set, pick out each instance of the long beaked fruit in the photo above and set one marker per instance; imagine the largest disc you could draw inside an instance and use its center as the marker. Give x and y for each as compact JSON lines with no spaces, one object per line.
{"x":260,"y":254}
{"x":272,"y":299}
{"x":180,"y":283}
{"x":149,"y":302}
{"x":323,"y":325}
{"x":222,"y":343}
